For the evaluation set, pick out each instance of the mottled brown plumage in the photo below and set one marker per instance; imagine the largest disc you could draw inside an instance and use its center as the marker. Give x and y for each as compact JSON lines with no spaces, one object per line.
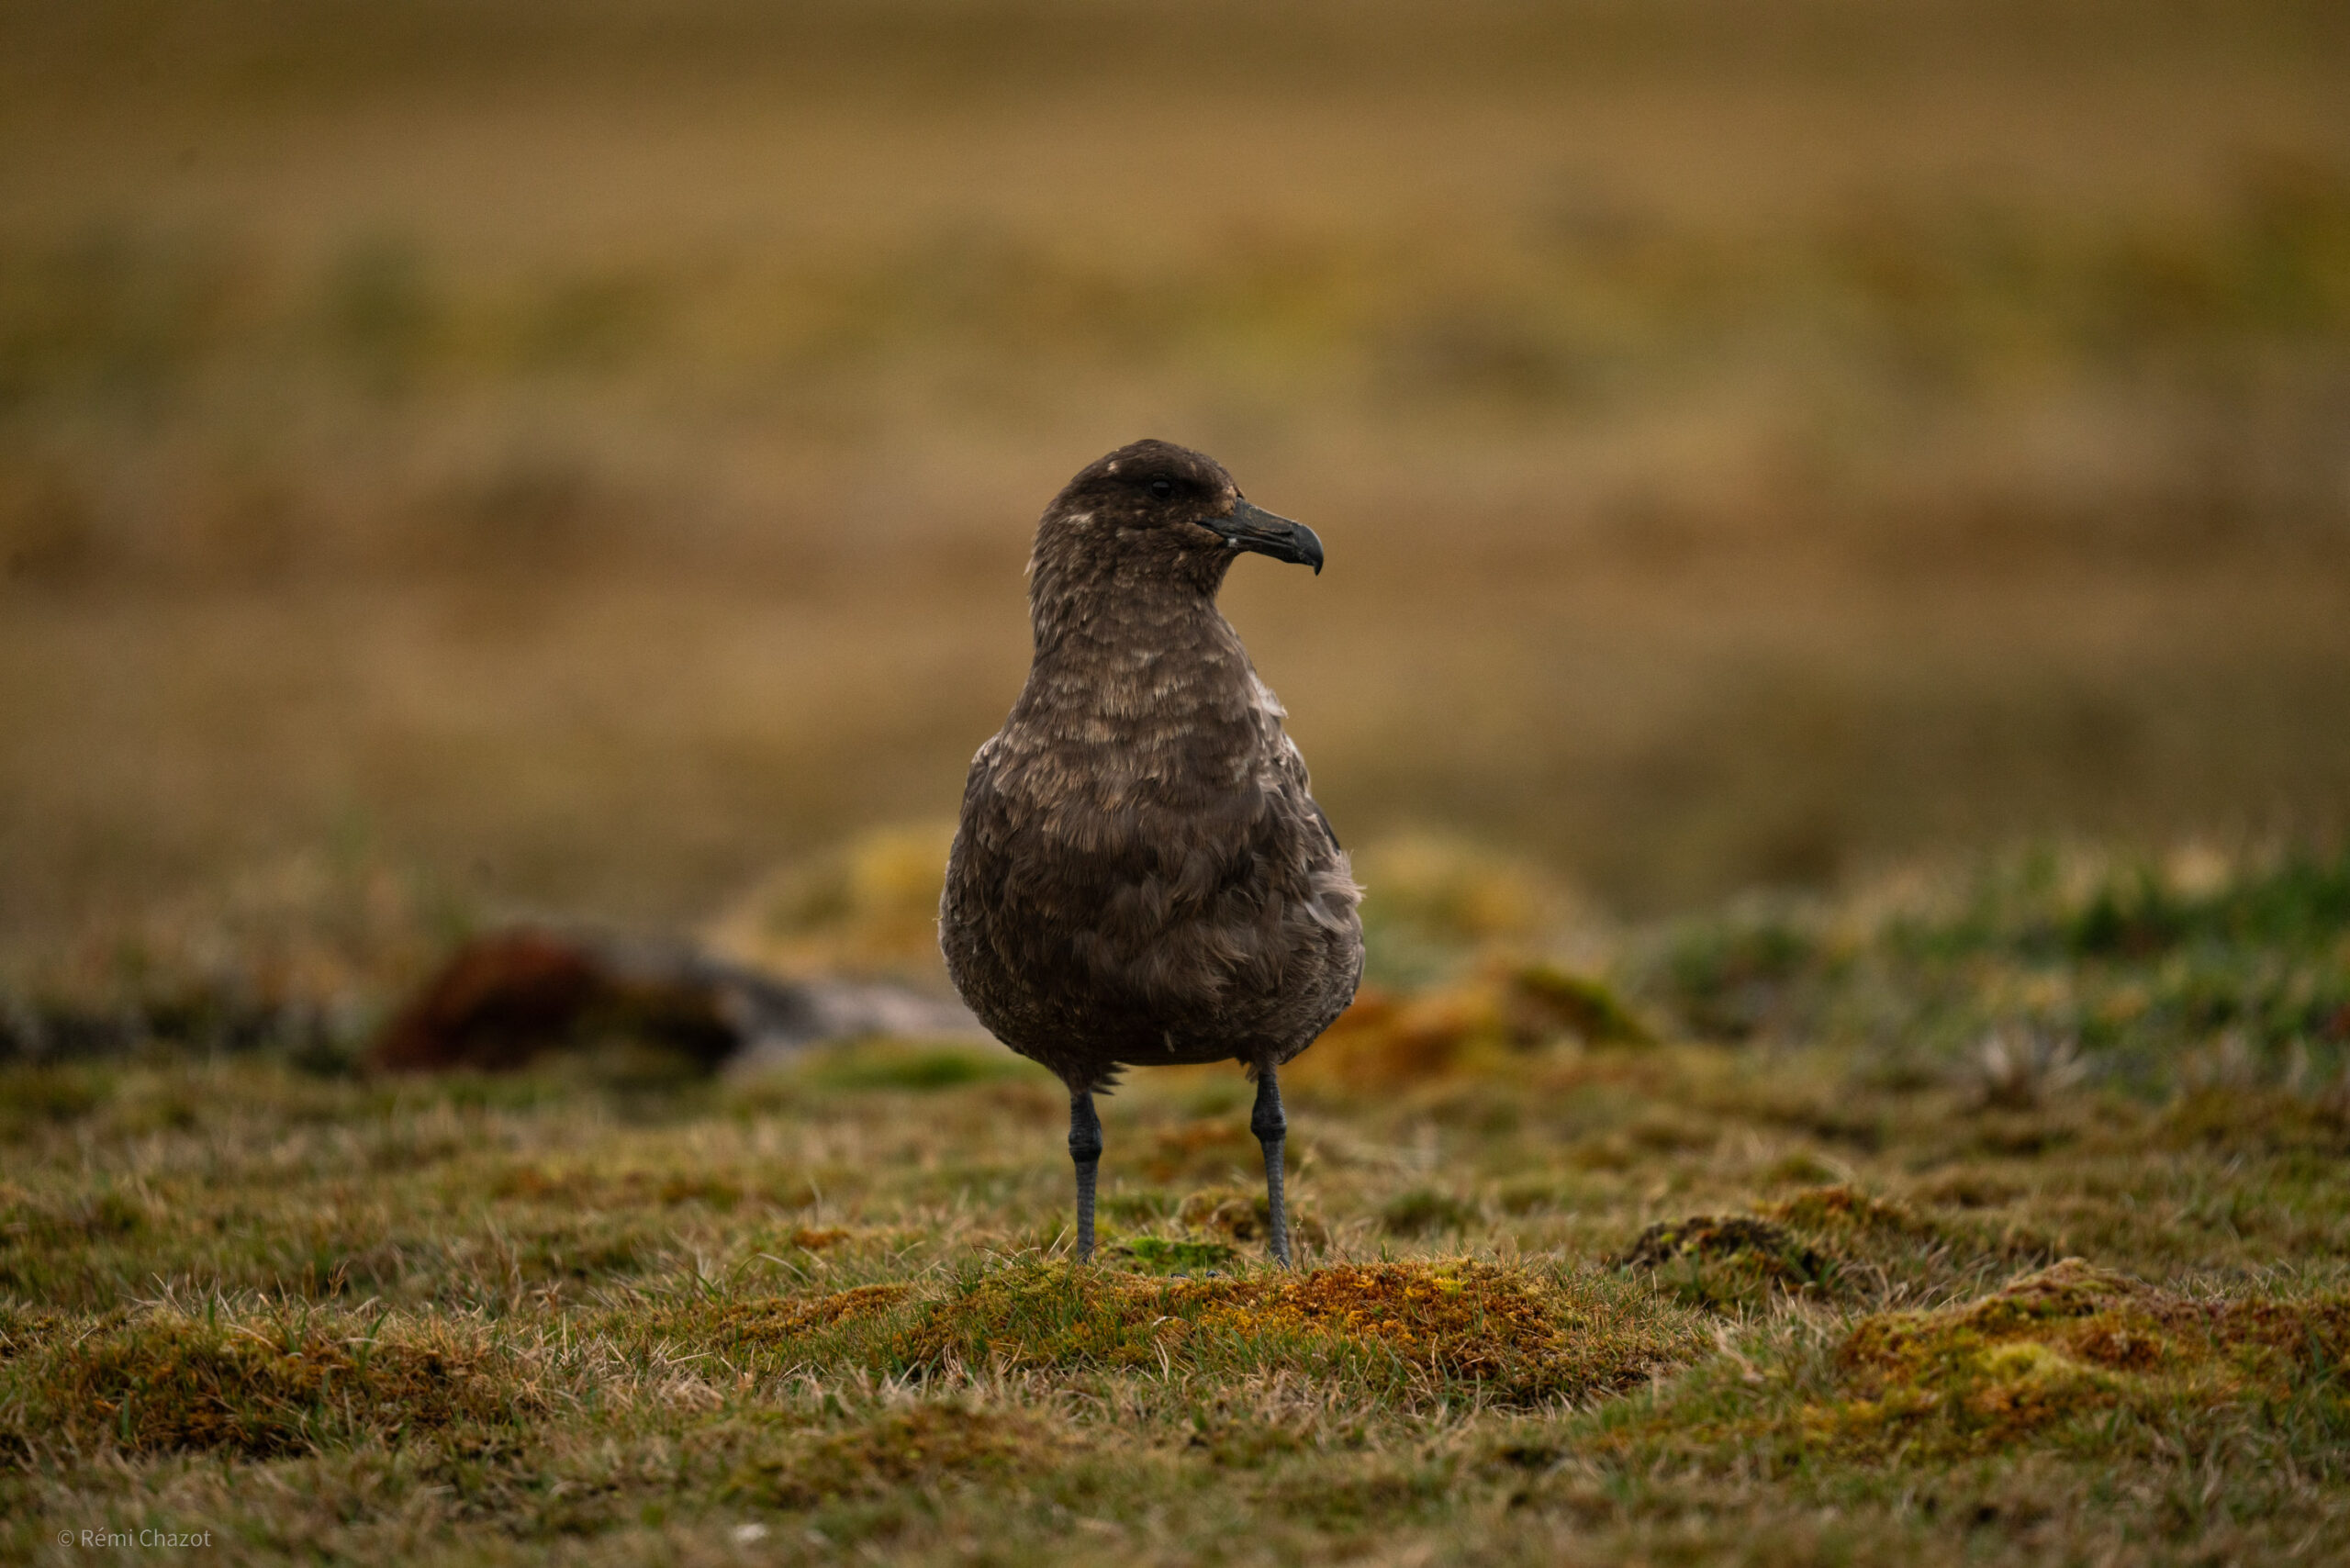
{"x":1140,"y":876}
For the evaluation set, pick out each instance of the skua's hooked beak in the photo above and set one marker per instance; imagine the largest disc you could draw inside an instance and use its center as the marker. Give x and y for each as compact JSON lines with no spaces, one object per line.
{"x":1248,"y":527}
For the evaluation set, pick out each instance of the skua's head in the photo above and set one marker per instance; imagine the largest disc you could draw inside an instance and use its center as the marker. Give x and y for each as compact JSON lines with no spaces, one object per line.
{"x":1156,"y":513}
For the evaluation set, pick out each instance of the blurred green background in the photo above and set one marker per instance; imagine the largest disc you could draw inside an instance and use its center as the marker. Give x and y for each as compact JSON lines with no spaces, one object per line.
{"x":588,"y":451}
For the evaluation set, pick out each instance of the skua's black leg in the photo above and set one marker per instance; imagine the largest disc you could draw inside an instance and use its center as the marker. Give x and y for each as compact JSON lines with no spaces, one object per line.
{"x":1272,"y":1127}
{"x":1085,"y":1148}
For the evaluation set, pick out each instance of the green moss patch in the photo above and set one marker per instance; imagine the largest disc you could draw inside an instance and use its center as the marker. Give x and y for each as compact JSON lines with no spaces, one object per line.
{"x":1158,"y":1255}
{"x":2030,"y":1360}
{"x":1514,"y":1336}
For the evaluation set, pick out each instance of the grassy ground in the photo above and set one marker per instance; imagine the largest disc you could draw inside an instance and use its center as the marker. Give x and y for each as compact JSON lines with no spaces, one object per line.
{"x":1998,"y":1219}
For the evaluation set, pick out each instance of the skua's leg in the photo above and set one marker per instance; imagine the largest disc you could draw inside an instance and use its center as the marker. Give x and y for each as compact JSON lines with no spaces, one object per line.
{"x":1272,"y":1127}
{"x":1085,"y":1148}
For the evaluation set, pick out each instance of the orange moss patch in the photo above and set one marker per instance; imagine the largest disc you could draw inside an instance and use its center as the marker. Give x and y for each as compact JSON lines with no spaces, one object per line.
{"x":1517,"y":1337}
{"x":815,"y":1238}
{"x":2069,"y":1339}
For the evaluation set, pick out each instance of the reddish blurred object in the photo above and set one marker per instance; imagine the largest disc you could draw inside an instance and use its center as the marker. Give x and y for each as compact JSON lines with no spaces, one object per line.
{"x":489,"y":1006}
{"x":506,"y":999}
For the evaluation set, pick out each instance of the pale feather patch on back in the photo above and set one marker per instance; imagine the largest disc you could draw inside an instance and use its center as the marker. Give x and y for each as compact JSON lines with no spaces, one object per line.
{"x":1333,"y":894}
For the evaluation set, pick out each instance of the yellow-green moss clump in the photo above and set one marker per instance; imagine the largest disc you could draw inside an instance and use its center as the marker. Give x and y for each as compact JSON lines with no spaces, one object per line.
{"x":1513,"y":1336}
{"x":2068,"y":1341}
{"x":162,"y":1381}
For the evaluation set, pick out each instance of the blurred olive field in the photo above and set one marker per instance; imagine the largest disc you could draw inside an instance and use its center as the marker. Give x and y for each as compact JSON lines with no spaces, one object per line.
{"x":1834,"y":660}
{"x":589,"y":452}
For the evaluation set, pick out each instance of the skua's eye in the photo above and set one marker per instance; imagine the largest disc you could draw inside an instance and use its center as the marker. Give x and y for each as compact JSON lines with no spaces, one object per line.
{"x":1162,"y":486}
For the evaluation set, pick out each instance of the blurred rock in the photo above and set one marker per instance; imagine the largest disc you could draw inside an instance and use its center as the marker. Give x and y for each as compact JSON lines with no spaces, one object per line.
{"x":216,"y":1016}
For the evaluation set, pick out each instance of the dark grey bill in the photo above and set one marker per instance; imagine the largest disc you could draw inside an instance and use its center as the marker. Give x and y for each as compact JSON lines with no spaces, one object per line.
{"x":1253,"y":528}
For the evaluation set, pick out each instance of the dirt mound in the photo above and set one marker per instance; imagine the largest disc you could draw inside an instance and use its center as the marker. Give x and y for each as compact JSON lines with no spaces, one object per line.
{"x":1737,"y":1261}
